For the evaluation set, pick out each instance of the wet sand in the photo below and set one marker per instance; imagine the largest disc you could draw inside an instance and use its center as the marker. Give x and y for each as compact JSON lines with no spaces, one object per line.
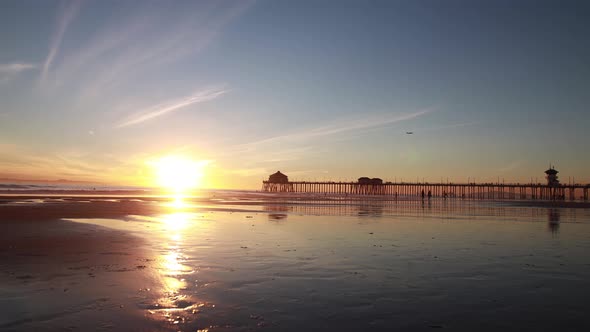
{"x":59,"y":275}
{"x":244,"y":263}
{"x":549,"y":204}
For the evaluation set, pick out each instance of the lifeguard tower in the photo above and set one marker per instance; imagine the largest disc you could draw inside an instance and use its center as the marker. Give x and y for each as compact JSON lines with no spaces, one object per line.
{"x":551,"y":177}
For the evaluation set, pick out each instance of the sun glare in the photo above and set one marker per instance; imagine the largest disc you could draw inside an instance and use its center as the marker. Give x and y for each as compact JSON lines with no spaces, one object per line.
{"x":179,"y":174}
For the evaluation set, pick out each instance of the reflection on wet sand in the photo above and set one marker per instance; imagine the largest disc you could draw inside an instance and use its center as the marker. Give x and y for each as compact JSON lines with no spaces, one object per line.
{"x":379,"y":208}
{"x":553,"y":218}
{"x":174,"y":306}
{"x":277,"y":216}
{"x":277,"y":212}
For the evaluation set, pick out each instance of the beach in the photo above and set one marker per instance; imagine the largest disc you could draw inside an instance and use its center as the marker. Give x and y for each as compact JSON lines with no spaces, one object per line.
{"x":60,"y":275}
{"x":243,"y":165}
{"x":243,"y":261}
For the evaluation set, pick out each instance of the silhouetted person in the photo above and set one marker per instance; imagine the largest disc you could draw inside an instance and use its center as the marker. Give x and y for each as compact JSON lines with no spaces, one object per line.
{"x":422,"y":194}
{"x":429,"y":194}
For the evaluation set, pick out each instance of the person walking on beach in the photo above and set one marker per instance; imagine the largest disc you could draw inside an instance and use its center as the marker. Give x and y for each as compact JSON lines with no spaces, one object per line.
{"x":422,"y":194}
{"x":429,"y":194}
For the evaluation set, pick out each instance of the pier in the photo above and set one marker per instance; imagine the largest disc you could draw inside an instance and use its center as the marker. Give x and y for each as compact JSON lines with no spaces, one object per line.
{"x":553,"y":190}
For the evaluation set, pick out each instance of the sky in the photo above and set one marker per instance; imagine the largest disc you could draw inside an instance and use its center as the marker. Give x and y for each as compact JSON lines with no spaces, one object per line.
{"x":321,"y":90}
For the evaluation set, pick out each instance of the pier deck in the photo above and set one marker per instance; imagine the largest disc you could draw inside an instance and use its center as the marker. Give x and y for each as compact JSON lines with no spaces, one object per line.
{"x":450,"y":190}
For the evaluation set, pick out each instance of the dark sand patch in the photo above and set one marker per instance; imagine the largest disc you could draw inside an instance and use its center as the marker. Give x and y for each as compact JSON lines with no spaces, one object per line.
{"x":61,"y":275}
{"x":75,"y":209}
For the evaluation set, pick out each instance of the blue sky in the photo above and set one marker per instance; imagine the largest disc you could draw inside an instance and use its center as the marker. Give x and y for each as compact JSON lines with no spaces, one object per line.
{"x":94,"y":90}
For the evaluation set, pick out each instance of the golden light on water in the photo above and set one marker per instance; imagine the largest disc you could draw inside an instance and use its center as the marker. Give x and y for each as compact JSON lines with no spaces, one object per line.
{"x":178,"y":202}
{"x":175,"y":270}
{"x":176,"y":221}
{"x":172,"y":267}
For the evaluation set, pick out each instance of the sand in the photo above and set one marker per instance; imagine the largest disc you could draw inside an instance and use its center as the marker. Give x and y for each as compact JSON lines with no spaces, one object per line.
{"x":61,"y":275}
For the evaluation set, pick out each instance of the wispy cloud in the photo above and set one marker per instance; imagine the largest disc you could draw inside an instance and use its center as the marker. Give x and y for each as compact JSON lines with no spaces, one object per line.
{"x":254,"y":164}
{"x":449,"y":126}
{"x":13,"y":68}
{"x":298,"y":145}
{"x":512,"y":166}
{"x":67,"y":13}
{"x":356,"y":124}
{"x":171,"y":106}
{"x":253,"y":171}
{"x":8,"y":70}
{"x":137,"y":44}
{"x":26,"y":162}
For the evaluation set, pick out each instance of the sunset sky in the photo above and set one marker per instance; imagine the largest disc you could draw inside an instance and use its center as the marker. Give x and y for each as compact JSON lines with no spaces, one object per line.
{"x":99,"y":90}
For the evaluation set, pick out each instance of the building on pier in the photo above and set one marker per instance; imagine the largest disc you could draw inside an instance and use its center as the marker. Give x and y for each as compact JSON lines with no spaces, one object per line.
{"x":364,"y":180}
{"x":367,"y":180}
{"x":278,"y":177}
{"x":278,"y":182}
{"x":376,"y":181}
{"x":368,"y":186}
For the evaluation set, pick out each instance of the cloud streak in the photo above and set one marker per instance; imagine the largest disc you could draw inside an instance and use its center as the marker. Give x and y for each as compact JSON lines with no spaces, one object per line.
{"x":8,"y":70}
{"x":512,"y":166}
{"x":67,"y":13}
{"x":165,"y":108}
{"x":137,"y":44}
{"x":13,"y":68}
{"x":375,"y":121}
{"x":449,"y":126}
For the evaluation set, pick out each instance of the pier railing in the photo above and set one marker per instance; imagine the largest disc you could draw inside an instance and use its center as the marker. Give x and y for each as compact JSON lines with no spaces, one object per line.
{"x":444,"y":190}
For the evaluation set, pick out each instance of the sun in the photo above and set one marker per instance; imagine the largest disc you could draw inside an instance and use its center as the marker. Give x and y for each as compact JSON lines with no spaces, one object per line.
{"x":179,"y":174}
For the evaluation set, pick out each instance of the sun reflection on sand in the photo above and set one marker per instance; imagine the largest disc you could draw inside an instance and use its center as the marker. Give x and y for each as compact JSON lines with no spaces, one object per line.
{"x":171,"y":263}
{"x":176,"y":222}
{"x":178,"y":202}
{"x":172,"y":267}
{"x":176,"y":305}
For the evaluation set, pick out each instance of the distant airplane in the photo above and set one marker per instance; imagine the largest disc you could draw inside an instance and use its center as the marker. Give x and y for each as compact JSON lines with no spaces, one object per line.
{"x":409,"y":132}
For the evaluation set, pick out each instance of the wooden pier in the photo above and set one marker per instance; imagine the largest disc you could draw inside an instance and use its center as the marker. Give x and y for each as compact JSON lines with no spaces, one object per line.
{"x":437,"y":190}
